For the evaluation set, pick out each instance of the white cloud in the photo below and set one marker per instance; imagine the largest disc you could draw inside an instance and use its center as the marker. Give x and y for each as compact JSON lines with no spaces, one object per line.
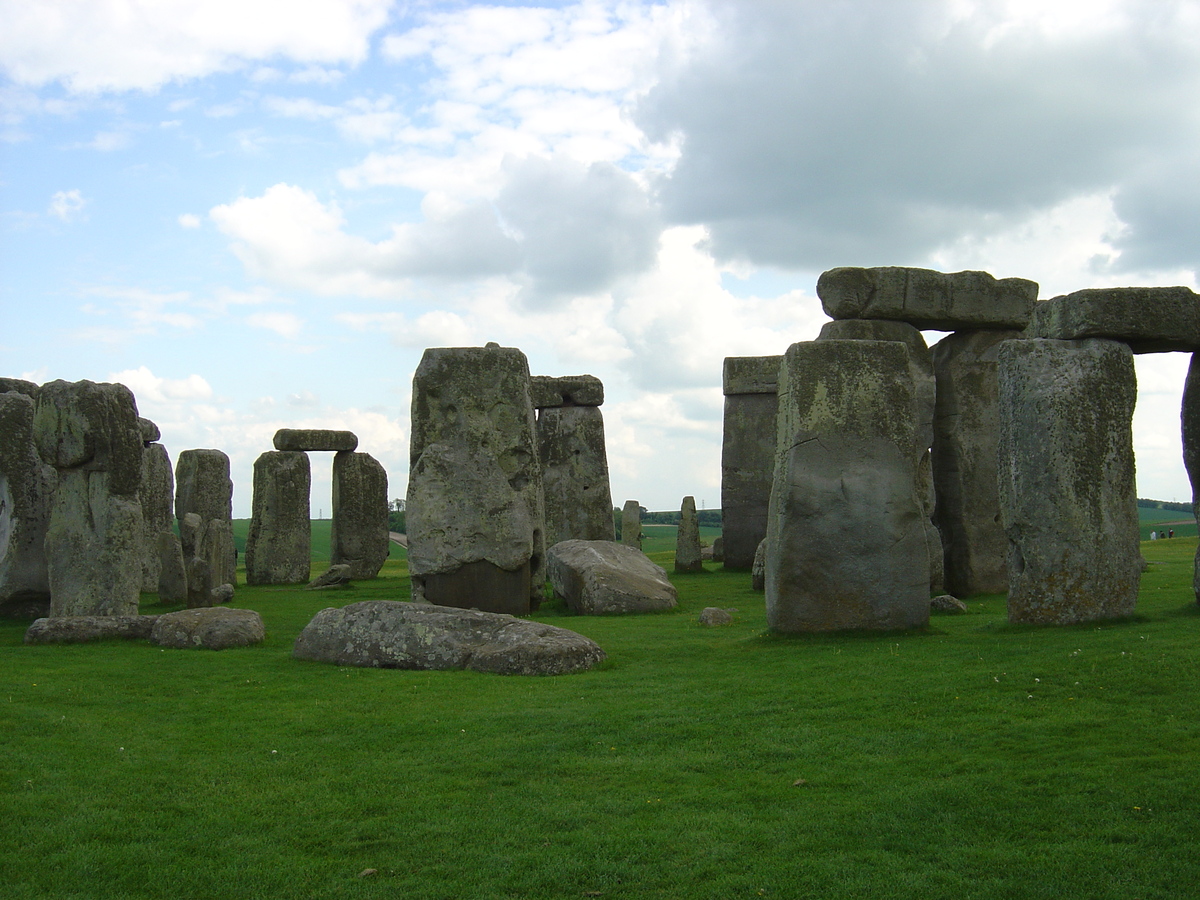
{"x":189,"y":220}
{"x":142,"y":310}
{"x":67,"y":205}
{"x":150,"y":388}
{"x":284,"y":324}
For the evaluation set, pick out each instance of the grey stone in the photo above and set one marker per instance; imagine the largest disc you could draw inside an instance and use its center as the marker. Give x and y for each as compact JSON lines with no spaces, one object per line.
{"x":718,"y":549}
{"x":20,"y":386}
{"x":149,"y":431}
{"x":548,"y":391}
{"x":1066,"y":480}
{"x":335,"y":576}
{"x":172,"y":573}
{"x":200,"y":583}
{"x":758,"y":572}
{"x":221,"y":594}
{"x":687,"y":539}
{"x":604,"y":578}
{"x":26,"y":497}
{"x":84,"y":629}
{"x":359,"y":533}
{"x":574,"y":461}
{"x":1190,"y":422}
{"x":214,"y":628}
{"x":303,"y":439}
{"x":966,"y":432}
{"x":945,"y":603}
{"x":846,"y":542}
{"x":475,"y":514}
{"x":713,"y":616}
{"x":631,"y":525}
{"x":279,"y":543}
{"x":191,"y":535}
{"x":91,"y":427}
{"x":390,"y":635}
{"x":927,"y":299}
{"x":157,"y":498}
{"x":203,"y":487}
{"x":747,"y":454}
{"x":1148,"y":319}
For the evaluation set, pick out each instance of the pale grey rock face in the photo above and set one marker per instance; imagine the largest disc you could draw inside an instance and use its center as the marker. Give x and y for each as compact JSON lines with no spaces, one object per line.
{"x":631,"y":525}
{"x":335,"y":576}
{"x":84,"y":629}
{"x":172,"y":573}
{"x":213,"y":628}
{"x":927,"y":299}
{"x":278,"y":545}
{"x":304,"y":439}
{"x":26,"y":497}
{"x":20,"y":386}
{"x":747,"y":454}
{"x":191,"y":535}
{"x":93,"y":427}
{"x":475,"y":515}
{"x":1148,"y":319}
{"x":1190,"y":421}
{"x":203,"y":486}
{"x":200,"y":583}
{"x":966,"y":432}
{"x":758,"y":572}
{"x":157,"y":497}
{"x":847,"y":541}
{"x":945,"y":603}
{"x":1066,"y":480}
{"x":547,"y":391}
{"x":359,"y":534}
{"x":575,"y":474}
{"x":390,"y":635}
{"x":221,"y":594}
{"x":220,"y":552}
{"x":687,"y":539}
{"x":598,"y":578}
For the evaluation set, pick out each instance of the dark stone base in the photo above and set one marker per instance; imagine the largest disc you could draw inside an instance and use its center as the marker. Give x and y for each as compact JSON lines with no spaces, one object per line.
{"x":480,"y":585}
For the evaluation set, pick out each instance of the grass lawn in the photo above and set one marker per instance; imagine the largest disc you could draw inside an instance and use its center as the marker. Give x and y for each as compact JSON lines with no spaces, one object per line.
{"x":973,"y":760}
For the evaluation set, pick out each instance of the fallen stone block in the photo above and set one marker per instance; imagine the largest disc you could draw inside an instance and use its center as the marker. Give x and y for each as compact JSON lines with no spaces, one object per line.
{"x":83,"y":629}
{"x":214,"y":628}
{"x":598,"y":578}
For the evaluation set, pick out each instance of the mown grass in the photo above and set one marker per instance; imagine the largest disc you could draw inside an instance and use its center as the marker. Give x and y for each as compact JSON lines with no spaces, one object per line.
{"x":973,"y":760}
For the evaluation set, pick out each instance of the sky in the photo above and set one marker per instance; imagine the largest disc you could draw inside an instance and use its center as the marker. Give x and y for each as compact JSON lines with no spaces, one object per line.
{"x":258,"y":213}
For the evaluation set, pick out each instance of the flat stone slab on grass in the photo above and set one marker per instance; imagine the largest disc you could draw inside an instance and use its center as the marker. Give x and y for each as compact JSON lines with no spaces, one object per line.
{"x":318,"y":439}
{"x":599,"y":578}
{"x":388,"y":634}
{"x":84,"y":629}
{"x":213,"y":628}
{"x":1148,"y":319}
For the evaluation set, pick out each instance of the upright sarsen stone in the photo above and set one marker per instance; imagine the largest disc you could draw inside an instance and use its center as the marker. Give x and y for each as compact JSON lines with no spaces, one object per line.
{"x":278,"y":545}
{"x":157,"y":497}
{"x":1066,"y":480}
{"x":687,"y":539}
{"x":631,"y":524}
{"x":574,"y":474}
{"x":203,"y":487}
{"x":1190,"y":422}
{"x":747,"y":454}
{"x":26,"y":496}
{"x":359,"y":534}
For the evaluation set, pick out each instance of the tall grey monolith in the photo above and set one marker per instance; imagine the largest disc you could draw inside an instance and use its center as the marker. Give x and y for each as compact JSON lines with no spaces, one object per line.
{"x":574,"y":474}
{"x":687,"y":539}
{"x":26,"y":497}
{"x":203,"y":487}
{"x":631,"y":524}
{"x":846,"y":542}
{"x":278,"y":545}
{"x":747,"y":453}
{"x":1066,"y":480}
{"x":475,"y":515}
{"x":359,"y":534}
{"x":156,"y":493}
{"x":1190,"y":422}
{"x":89,"y":433}
{"x":966,"y":431}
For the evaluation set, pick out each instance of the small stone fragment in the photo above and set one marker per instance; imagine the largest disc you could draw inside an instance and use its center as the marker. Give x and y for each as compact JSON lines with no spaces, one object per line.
{"x":945,"y":603}
{"x":712,"y":616}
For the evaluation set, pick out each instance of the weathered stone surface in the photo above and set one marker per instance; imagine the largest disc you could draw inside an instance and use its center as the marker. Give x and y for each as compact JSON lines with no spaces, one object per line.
{"x":575,"y":474}
{"x":687,"y":539}
{"x":846,"y":541}
{"x":221,"y":594}
{"x":335,"y":576}
{"x":1148,"y":319}
{"x":278,"y":545}
{"x":200,"y":583}
{"x":631,"y":525}
{"x":1066,"y":480}
{"x":747,"y":454}
{"x":966,"y":431}
{"x":214,"y":628}
{"x":944,"y":603}
{"x":390,"y":635}
{"x":172,"y":572}
{"x":475,"y":494}
{"x":718,"y":549}
{"x":547,"y":391}
{"x":359,"y":533}
{"x":20,"y":386}
{"x":713,"y":616}
{"x":87,"y":426}
{"x":758,"y":572}
{"x":317,"y":439}
{"x":83,"y":629}
{"x":26,"y":497}
{"x":203,"y":487}
{"x":603,"y":577}
{"x":1190,"y":421}
{"x":149,"y":431}
{"x":157,"y":498}
{"x":927,"y":299}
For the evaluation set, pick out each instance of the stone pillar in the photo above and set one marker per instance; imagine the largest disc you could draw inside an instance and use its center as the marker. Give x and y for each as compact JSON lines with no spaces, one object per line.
{"x":966,"y":430}
{"x":687,"y":539}
{"x":575,"y":474}
{"x":203,"y":487}
{"x":747,"y":454}
{"x":359,"y":534}
{"x":846,"y":541}
{"x":89,"y":432}
{"x":1066,"y":480}
{"x":476,"y":521}
{"x":1190,"y":421}
{"x":279,"y":544}
{"x":631,"y":524}
{"x":156,"y":493}
{"x":26,"y":496}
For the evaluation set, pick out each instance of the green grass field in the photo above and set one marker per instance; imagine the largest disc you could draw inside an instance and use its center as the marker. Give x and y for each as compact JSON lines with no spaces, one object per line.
{"x":972,"y":760}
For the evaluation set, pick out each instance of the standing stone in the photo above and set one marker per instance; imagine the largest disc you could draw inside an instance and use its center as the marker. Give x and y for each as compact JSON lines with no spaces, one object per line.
{"x":966,"y":432}
{"x":203,"y":487}
{"x":156,"y":494}
{"x":758,"y":572}
{"x":1190,"y":421}
{"x":575,"y":474}
{"x":1066,"y":478}
{"x":687,"y":539}
{"x":172,"y":571}
{"x":278,"y":546}
{"x":26,"y":496}
{"x":475,"y":515}
{"x":631,"y":525}
{"x":359,"y":535}
{"x":846,"y":541}
{"x":89,"y":432}
{"x":747,"y":453}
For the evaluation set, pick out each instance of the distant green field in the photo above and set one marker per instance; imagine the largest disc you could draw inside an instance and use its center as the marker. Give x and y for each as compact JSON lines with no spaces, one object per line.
{"x":320,"y":540}
{"x":1156,"y":519}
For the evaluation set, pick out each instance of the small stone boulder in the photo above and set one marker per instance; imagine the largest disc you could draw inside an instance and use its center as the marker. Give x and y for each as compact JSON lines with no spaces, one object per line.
{"x":83,"y":629}
{"x":334,"y":576}
{"x":213,"y":628}
{"x":387,"y":634}
{"x":946,"y":603}
{"x":713,"y":616}
{"x":598,"y":578}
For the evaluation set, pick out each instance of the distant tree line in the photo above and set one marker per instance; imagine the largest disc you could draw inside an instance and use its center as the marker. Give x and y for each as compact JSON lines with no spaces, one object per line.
{"x":1164,"y":504}
{"x":669,"y":517}
{"x":396,"y":516}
